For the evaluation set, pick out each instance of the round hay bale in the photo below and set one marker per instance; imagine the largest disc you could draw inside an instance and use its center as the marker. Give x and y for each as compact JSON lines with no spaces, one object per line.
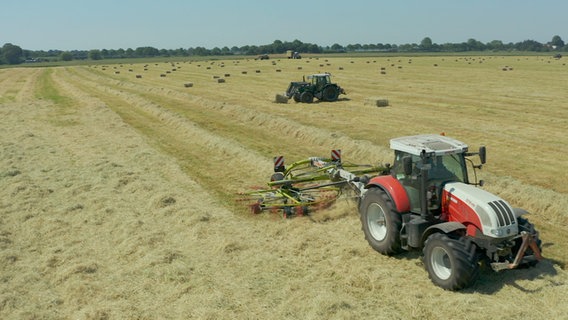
{"x":244,"y":72}
{"x":163,"y":75}
{"x":278,"y":70}
{"x":281,"y":98}
{"x":227,"y":75}
{"x":216,"y":77}
{"x":383,"y":72}
{"x":221,"y":80}
{"x":188,"y":84}
{"x":257,"y":71}
{"x":138,"y":76}
{"x":377,"y":102}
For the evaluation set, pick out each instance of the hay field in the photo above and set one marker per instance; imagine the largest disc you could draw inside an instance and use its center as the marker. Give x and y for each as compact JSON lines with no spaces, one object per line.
{"x":117,"y":192}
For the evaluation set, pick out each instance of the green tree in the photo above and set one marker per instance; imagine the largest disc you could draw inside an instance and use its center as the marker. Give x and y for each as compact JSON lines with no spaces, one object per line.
{"x":95,"y":54}
{"x":426,"y":44}
{"x":66,"y":56}
{"x":496,"y":45}
{"x":12,"y":54}
{"x":474,"y":45}
{"x":278,"y":47}
{"x":529,"y":45}
{"x":557,"y":42}
{"x":336,"y":47}
{"x":129,"y":53}
{"x":200,"y":51}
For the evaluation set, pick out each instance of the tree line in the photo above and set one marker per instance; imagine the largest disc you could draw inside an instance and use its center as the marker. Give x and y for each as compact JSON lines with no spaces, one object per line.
{"x":13,"y":54}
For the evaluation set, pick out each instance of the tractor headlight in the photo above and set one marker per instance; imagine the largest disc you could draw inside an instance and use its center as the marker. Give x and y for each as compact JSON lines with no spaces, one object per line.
{"x":497,"y":232}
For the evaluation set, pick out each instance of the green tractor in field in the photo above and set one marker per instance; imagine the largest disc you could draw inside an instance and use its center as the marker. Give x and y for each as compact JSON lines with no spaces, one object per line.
{"x":318,"y":86}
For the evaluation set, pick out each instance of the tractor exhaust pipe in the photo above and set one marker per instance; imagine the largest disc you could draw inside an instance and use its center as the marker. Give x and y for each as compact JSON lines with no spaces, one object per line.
{"x":424,"y":212}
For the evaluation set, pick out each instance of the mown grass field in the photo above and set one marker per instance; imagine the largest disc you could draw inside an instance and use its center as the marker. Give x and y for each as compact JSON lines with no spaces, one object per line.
{"x":117,"y":192}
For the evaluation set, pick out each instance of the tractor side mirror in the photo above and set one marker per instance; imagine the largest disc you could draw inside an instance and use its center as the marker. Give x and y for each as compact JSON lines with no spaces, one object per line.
{"x":407,"y":165}
{"x":482,"y":154}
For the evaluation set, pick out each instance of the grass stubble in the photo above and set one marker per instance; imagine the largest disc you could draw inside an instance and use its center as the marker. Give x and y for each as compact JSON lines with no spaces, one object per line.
{"x":118,"y":192}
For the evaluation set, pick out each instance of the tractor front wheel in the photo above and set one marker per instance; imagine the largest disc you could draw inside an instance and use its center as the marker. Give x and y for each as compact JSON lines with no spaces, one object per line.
{"x":381,"y":224}
{"x":307,"y":97}
{"x":452,"y":264}
{"x":297,"y":97}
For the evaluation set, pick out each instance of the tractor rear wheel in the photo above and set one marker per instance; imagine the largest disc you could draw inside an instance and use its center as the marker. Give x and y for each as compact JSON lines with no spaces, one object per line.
{"x":452,"y":264}
{"x":381,"y":224}
{"x":330,"y":93}
{"x":307,"y":97}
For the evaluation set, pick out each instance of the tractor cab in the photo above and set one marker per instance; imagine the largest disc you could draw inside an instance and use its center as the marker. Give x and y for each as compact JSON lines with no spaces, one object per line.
{"x":424,"y":164}
{"x":319,"y":80}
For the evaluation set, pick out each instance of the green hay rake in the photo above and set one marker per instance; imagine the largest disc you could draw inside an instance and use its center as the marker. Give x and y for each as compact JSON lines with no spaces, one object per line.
{"x":309,"y":185}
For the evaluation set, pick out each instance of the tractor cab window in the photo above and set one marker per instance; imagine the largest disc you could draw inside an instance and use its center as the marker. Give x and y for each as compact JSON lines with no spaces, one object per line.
{"x":441,"y":170}
{"x":398,"y":167}
{"x":321,"y":81}
{"x":450,"y":167}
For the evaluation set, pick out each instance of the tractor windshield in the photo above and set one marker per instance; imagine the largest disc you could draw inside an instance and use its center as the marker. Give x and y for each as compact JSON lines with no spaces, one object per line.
{"x":449,"y":167}
{"x":441,"y":170}
{"x":320,"y":80}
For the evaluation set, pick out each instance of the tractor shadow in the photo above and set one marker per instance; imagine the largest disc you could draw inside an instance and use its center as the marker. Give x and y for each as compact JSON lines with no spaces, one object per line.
{"x":539,"y":278}
{"x":317,"y":102}
{"x":526,"y":279}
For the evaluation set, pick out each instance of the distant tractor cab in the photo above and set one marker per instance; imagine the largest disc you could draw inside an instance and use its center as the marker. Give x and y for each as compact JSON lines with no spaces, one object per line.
{"x":318,"y":86}
{"x":293,"y":55}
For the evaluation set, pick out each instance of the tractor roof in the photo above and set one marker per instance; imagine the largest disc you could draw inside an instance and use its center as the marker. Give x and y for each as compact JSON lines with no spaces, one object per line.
{"x":319,"y":75}
{"x":430,"y":143}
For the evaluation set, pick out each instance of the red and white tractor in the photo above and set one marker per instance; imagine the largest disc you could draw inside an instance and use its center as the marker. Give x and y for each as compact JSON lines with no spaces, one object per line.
{"x":427,"y":202}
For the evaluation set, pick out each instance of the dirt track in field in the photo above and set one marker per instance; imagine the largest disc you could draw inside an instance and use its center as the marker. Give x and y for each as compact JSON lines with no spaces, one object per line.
{"x":117,"y":202}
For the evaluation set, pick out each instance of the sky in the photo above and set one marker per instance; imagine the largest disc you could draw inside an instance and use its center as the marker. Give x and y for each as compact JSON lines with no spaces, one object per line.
{"x":171,"y":24}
